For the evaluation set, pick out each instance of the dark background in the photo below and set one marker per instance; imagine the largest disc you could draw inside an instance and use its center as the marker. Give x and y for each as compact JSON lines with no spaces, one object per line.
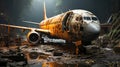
{"x":14,"y":11}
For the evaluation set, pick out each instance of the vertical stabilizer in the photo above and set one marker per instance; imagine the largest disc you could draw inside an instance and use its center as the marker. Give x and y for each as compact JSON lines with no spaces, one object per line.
{"x":45,"y":16}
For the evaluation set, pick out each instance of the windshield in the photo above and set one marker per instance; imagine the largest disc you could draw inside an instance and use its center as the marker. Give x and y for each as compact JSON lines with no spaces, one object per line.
{"x":94,"y":18}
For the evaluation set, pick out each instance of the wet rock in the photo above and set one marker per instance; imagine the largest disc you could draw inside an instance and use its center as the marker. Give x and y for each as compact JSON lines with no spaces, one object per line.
{"x":15,"y":57}
{"x":3,"y":62}
{"x":92,"y":49}
{"x":90,"y":61}
{"x":117,"y":49}
{"x":43,"y":56}
{"x":33,"y":55}
{"x":50,"y":50}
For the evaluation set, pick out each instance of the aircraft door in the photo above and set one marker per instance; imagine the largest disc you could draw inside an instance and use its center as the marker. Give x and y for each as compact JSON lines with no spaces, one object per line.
{"x":75,"y":26}
{"x":72,"y":23}
{"x":66,"y":21}
{"x":75,"y":23}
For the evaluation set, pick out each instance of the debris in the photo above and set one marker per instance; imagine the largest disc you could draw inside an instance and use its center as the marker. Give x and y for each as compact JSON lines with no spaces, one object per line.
{"x":117,"y":48}
{"x":33,"y":55}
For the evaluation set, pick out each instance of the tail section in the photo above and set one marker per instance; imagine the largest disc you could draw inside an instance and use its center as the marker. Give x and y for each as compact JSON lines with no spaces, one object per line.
{"x":45,"y":16}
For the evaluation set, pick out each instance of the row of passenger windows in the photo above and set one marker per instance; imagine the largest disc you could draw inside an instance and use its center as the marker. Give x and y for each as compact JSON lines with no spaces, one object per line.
{"x":90,"y":18}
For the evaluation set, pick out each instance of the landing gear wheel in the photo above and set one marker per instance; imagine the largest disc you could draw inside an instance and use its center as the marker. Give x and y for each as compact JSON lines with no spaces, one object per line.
{"x":42,"y":41}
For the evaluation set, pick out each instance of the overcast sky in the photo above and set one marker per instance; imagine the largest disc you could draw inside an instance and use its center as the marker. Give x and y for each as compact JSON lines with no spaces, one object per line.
{"x":32,"y":10}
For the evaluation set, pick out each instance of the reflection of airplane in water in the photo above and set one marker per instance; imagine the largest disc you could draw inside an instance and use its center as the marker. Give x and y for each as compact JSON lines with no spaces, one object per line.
{"x":79,"y":26}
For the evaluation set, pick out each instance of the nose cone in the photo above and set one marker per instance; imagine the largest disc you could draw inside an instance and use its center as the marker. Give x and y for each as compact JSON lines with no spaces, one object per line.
{"x":91,"y":31}
{"x":92,"y":28}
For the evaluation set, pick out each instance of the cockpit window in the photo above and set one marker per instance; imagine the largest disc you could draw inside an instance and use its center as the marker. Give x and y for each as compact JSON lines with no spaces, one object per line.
{"x":86,"y":18}
{"x":94,"y":18}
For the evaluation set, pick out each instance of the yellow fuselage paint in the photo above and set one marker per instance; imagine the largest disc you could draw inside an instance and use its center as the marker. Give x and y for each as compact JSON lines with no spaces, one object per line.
{"x":54,"y":25}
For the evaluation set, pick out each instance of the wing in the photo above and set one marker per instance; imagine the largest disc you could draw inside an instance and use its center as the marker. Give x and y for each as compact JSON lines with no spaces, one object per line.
{"x":26,"y":28}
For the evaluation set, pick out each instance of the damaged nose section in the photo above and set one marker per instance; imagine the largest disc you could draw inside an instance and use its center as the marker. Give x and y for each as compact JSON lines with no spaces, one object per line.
{"x":91,"y":31}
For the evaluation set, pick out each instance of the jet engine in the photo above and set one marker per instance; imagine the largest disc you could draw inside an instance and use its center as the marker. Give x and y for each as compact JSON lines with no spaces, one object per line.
{"x":33,"y":37}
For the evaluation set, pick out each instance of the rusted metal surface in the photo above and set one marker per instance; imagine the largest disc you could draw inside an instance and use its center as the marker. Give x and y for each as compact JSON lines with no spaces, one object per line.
{"x":71,"y":26}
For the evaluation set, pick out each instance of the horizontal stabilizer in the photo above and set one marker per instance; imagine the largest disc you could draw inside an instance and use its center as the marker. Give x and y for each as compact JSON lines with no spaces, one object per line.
{"x":31,"y":22}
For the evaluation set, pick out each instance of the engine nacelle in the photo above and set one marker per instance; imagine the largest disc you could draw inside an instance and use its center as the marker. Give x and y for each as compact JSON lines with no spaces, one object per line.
{"x":33,"y":37}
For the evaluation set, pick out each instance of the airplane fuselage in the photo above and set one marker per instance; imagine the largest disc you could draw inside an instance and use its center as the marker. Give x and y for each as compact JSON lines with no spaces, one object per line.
{"x":54,"y":24}
{"x":73,"y":25}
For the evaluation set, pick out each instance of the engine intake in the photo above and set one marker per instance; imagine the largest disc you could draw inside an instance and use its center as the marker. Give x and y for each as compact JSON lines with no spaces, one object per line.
{"x":33,"y":37}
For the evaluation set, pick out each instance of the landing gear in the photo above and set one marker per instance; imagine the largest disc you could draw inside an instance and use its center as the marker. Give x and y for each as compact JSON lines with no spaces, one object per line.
{"x":80,"y":48}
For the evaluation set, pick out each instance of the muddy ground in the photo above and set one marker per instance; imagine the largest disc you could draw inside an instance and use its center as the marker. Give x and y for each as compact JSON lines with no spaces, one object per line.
{"x":58,"y":55}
